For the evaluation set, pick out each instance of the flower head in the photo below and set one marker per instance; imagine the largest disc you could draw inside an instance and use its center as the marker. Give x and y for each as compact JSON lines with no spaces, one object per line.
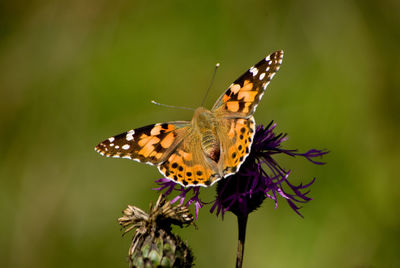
{"x":262,"y":177}
{"x":259,"y":177}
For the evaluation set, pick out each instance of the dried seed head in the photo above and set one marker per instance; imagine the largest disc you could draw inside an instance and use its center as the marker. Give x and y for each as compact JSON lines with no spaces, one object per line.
{"x":153,"y":242}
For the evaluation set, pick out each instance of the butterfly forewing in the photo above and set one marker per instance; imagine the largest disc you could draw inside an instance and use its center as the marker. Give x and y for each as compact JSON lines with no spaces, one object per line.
{"x":150,"y":144}
{"x":243,"y":96}
{"x":235,"y":108}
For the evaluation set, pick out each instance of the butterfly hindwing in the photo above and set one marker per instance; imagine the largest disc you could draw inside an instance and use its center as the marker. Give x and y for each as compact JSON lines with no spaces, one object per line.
{"x":243,"y":96}
{"x":236,"y":145}
{"x":150,"y":144}
{"x":188,"y":165}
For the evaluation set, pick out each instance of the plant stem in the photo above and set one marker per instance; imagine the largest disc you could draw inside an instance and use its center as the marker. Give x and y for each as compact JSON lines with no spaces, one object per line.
{"x":242,"y":223}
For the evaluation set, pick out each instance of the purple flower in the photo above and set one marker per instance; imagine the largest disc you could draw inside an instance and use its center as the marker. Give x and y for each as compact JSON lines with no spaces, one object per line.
{"x":259,"y":177}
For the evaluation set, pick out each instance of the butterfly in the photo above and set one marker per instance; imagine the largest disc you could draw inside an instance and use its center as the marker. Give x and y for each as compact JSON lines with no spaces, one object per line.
{"x":211,"y":146}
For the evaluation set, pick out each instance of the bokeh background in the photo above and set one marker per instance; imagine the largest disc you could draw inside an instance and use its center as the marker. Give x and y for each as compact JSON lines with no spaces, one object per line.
{"x":73,"y":73}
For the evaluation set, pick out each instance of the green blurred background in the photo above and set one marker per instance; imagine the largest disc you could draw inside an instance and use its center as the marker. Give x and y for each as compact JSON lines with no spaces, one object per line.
{"x":73,"y":73}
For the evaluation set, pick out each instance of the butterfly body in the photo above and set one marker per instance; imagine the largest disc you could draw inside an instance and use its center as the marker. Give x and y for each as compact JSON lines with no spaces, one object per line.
{"x":205,"y":125}
{"x":211,"y":146}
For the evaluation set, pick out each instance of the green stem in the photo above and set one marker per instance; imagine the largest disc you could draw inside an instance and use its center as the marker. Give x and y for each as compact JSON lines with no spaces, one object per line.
{"x":242,"y":222}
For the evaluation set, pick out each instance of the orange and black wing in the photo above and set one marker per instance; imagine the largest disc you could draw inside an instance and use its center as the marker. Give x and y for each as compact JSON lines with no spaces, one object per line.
{"x":173,"y":147}
{"x":151,"y":144}
{"x":188,"y":165}
{"x":236,"y":138}
{"x":242,"y":97}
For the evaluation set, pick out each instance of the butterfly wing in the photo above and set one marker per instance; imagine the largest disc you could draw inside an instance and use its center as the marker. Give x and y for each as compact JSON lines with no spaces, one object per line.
{"x":151,"y":144}
{"x":242,"y":97}
{"x":236,"y":136}
{"x":174,"y":147}
{"x":188,"y":165}
{"x":234,"y":110}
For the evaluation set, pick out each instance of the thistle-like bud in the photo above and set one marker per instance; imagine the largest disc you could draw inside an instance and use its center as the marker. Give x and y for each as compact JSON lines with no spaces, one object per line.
{"x":153,"y":243}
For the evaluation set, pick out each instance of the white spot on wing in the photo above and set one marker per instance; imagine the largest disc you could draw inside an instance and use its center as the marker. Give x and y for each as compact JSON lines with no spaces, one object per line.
{"x":116,"y":147}
{"x":111,"y":139}
{"x":253,"y":70}
{"x":126,"y":147}
{"x":262,"y":76}
{"x":129,"y":135}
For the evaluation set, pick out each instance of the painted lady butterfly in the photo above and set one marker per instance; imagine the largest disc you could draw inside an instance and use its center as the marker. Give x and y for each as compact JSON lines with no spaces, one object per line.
{"x":211,"y":146}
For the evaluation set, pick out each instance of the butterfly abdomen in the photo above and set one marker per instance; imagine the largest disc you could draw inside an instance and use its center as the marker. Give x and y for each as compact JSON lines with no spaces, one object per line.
{"x":210,"y":145}
{"x":205,"y":124}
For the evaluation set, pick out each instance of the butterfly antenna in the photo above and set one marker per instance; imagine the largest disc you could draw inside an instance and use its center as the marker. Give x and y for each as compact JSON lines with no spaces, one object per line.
{"x":171,"y":106}
{"x":212,"y":81}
